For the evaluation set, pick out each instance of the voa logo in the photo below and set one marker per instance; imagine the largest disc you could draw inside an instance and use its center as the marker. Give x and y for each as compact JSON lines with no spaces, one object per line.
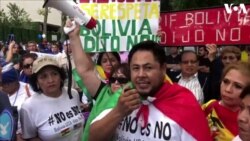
{"x":241,"y":8}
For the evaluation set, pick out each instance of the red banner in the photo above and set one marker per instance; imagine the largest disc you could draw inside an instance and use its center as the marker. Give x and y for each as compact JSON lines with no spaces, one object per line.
{"x":199,"y":27}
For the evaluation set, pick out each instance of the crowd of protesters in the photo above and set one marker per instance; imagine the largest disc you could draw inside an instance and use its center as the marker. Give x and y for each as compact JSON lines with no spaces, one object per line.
{"x":200,"y":93}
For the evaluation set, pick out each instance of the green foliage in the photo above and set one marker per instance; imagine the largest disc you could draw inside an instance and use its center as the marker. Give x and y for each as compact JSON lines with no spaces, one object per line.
{"x":15,"y":17}
{"x":43,"y":11}
{"x":3,"y":17}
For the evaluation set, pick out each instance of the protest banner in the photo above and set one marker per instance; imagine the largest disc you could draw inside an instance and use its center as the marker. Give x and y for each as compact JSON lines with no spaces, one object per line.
{"x":120,"y":24}
{"x":199,"y":27}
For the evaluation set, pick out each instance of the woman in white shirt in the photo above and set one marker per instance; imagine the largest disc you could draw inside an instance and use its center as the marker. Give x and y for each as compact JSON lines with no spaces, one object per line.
{"x":51,"y":114}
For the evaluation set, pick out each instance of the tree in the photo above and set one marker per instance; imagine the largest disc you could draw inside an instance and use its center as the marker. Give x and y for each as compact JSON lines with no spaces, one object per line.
{"x":3,"y":17}
{"x":17,"y":16}
{"x":44,"y":12}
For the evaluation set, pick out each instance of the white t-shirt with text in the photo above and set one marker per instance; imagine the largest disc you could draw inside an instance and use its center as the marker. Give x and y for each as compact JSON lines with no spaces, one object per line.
{"x":52,"y":119}
{"x":159,"y":128}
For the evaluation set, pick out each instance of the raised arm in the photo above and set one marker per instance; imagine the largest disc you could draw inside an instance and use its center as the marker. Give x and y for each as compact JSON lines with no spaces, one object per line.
{"x":9,"y":55}
{"x":212,"y":50}
{"x":84,"y":64}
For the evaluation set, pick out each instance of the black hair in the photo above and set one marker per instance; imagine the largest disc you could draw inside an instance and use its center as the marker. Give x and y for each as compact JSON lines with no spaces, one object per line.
{"x":124,"y":68}
{"x":151,"y":46}
{"x":189,"y":51}
{"x":33,"y":78}
{"x":245,"y":92}
{"x":204,"y":47}
{"x":25,"y":56}
{"x":99,"y":59}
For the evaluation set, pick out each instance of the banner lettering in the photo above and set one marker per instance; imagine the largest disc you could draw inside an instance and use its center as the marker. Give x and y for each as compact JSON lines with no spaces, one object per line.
{"x":199,"y":27}
{"x":120,"y":25}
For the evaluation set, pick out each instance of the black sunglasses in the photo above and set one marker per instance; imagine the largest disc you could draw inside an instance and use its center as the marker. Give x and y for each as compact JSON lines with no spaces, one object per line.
{"x":27,"y":66}
{"x":121,"y":80}
{"x":228,"y":57}
{"x":190,"y":61}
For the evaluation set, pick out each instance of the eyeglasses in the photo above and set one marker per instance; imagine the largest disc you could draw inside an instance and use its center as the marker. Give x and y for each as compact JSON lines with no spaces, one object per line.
{"x":187,"y":62}
{"x":121,"y":80}
{"x":228,"y":57}
{"x":27,"y":66}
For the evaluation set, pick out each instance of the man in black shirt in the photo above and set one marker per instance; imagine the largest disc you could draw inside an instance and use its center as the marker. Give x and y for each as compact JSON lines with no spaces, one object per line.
{"x":173,"y":64}
{"x":204,"y":62}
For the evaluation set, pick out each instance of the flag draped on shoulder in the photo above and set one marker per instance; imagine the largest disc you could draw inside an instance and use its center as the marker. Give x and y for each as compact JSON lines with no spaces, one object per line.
{"x":222,"y":121}
{"x":179,"y":104}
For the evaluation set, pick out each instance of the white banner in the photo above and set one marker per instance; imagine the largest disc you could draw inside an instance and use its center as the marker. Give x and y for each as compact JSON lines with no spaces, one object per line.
{"x":120,"y":25}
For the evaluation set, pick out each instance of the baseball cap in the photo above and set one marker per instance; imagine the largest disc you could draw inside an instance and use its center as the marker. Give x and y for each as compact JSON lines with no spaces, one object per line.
{"x":9,"y":74}
{"x":42,"y":62}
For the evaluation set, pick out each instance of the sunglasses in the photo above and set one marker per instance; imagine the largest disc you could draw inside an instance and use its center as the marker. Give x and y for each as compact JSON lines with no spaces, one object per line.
{"x":228,"y":57}
{"x":120,"y":80}
{"x":190,"y":61}
{"x":27,"y":66}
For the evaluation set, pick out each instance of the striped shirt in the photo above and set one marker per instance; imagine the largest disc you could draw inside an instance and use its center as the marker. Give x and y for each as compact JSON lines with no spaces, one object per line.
{"x":192,"y":83}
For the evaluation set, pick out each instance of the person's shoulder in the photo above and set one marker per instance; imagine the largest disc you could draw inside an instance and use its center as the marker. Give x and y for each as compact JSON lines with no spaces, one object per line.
{"x":4,"y":98}
{"x":73,"y":92}
{"x":207,"y":107}
{"x":237,"y":138}
{"x":32,"y":100}
{"x":181,"y":93}
{"x":65,"y":90}
{"x":210,"y":102}
{"x":179,"y":89}
{"x":3,"y":95}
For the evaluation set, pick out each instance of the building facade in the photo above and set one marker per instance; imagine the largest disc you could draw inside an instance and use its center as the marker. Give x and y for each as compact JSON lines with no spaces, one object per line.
{"x":32,"y":7}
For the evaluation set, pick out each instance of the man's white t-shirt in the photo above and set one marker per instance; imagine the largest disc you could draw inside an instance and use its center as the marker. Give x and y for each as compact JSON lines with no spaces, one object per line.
{"x":52,"y":119}
{"x":159,"y":128}
{"x":18,"y":98}
{"x":20,"y":95}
